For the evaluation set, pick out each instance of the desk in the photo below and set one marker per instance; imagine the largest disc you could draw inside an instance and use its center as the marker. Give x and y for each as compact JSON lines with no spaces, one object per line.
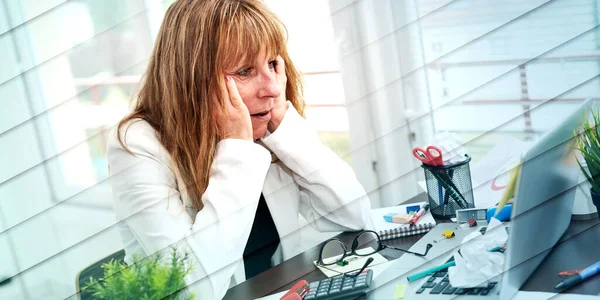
{"x":578,"y":248}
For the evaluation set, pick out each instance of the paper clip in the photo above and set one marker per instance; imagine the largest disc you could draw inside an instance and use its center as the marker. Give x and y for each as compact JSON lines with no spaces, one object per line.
{"x":447,"y":234}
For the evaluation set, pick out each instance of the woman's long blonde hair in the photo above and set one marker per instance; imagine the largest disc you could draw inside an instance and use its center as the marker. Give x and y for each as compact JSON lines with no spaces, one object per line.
{"x":197,"y":40}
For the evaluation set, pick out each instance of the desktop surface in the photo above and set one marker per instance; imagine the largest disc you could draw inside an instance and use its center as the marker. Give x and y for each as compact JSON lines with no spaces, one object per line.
{"x":576,"y":249}
{"x":428,"y":287}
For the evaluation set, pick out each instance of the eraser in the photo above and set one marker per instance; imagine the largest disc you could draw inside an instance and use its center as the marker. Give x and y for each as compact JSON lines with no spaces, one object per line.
{"x":397,"y":218}
{"x":388,"y":217}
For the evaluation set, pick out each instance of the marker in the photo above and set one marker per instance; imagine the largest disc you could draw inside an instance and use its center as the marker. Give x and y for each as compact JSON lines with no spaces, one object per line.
{"x":415,"y":217}
{"x":577,"y":278}
{"x":430,"y":271}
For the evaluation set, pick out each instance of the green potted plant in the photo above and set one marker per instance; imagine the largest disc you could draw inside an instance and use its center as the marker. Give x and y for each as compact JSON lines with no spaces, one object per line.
{"x":147,"y":278}
{"x":588,"y":144}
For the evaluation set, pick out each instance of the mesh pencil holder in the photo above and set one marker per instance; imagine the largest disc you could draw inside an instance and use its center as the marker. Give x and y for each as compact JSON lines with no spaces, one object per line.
{"x":449,"y":188}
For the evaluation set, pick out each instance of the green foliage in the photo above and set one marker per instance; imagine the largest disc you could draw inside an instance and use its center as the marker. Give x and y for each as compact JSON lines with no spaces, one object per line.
{"x":588,"y":143}
{"x":148,"y":278}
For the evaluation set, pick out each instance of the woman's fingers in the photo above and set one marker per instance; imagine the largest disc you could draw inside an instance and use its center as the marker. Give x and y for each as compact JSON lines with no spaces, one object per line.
{"x":235,"y":119}
{"x":234,"y":94}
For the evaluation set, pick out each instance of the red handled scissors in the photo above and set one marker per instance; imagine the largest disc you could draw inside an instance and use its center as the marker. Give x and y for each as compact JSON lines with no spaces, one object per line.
{"x":432,"y":155}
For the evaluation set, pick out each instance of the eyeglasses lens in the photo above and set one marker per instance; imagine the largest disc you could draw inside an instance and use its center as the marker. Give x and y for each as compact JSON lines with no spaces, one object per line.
{"x":364,"y":241}
{"x":332,"y":252}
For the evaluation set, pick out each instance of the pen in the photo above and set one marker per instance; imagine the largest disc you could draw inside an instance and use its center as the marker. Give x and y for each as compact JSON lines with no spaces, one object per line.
{"x":497,"y":248}
{"x":577,"y":278}
{"x":430,"y":271}
{"x":458,"y":198}
{"x":415,"y":217}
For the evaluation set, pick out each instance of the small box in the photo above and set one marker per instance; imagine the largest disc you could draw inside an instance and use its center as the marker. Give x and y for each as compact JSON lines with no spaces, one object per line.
{"x":465,"y":215}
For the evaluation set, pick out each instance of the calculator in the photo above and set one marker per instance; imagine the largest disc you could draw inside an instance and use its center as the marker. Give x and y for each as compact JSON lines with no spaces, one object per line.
{"x":340,"y":287}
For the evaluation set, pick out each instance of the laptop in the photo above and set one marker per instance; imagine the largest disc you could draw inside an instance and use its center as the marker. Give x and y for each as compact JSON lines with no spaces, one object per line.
{"x":545,"y":191}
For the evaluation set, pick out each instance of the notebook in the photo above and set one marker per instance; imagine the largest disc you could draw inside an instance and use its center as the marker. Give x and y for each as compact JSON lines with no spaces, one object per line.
{"x":389,"y":230}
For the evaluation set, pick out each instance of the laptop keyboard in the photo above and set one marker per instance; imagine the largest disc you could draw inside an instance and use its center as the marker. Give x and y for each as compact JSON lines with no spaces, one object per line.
{"x":438,"y":283}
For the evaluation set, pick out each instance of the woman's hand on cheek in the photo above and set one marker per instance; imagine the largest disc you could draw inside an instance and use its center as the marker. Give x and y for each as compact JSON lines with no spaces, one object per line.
{"x":234,"y":118}
{"x":280,"y":105}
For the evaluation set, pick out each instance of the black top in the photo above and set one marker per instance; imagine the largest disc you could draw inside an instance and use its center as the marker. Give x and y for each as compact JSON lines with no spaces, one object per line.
{"x":262,"y":243}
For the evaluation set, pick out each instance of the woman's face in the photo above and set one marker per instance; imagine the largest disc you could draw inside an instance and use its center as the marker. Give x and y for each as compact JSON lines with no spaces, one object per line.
{"x":257,"y":85}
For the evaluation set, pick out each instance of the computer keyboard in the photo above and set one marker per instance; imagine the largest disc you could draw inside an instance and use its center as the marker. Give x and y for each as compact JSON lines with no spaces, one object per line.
{"x":340,"y":287}
{"x":438,"y":283}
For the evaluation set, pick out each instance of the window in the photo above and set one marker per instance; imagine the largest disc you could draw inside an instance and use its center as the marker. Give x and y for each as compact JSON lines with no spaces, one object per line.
{"x":68,"y":71}
{"x":313,"y":49}
{"x":511,"y":68}
{"x":485,"y":70}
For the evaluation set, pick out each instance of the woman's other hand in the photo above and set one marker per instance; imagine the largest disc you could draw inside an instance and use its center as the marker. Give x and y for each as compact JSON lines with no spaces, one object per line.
{"x":234,"y":119}
{"x":280,"y":105}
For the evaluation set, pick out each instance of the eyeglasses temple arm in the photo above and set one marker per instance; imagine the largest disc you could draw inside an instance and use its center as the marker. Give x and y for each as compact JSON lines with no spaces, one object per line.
{"x":367,"y":263}
{"x":417,"y":254}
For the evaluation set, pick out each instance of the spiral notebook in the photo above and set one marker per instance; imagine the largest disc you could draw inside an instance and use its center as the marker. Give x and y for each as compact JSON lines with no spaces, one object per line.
{"x":389,"y":230}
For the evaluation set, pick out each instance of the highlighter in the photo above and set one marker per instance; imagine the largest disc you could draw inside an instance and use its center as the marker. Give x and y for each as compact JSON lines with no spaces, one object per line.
{"x":415,"y":218}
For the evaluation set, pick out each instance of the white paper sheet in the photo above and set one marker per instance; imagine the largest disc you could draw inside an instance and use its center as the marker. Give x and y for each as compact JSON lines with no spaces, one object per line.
{"x":490,"y":175}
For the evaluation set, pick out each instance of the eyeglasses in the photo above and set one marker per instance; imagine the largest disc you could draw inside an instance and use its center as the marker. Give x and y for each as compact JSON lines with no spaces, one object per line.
{"x":335,"y":251}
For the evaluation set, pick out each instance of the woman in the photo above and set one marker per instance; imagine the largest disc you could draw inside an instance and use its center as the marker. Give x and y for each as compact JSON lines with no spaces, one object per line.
{"x":214,"y":160}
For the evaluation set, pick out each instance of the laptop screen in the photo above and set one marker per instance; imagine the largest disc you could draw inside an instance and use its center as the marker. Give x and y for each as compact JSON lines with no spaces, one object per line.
{"x":543,"y":202}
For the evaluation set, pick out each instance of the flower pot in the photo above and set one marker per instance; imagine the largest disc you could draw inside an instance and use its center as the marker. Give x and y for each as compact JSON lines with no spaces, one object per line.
{"x":595,"y":199}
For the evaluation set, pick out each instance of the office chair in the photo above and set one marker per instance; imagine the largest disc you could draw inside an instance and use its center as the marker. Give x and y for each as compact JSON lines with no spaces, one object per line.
{"x":95,"y":272}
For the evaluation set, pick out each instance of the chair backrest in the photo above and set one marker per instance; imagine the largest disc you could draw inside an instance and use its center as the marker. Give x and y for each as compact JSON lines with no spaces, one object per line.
{"x":95,"y":272}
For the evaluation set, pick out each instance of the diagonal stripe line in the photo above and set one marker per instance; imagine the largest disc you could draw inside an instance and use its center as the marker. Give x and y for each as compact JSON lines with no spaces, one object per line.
{"x":40,"y":15}
{"x":474,"y":40}
{"x":344,"y":156}
{"x":554,"y":196}
{"x":558,"y":243}
{"x":104,"y":31}
{"x":568,"y":189}
{"x":165,"y":248}
{"x":349,"y":104}
{"x":433,"y":12}
{"x":509,"y":121}
{"x":74,"y":97}
{"x":101,"y":132}
{"x":454,"y":248}
{"x":484,"y":84}
{"x":82,"y":192}
{"x":170,"y":246}
{"x":137,"y":15}
{"x":98,"y":134}
{"x":522,"y":215}
{"x":416,"y":20}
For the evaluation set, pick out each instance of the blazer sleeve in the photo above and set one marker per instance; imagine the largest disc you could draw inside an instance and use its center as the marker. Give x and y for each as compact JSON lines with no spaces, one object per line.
{"x":332,"y":198}
{"x":148,"y":200}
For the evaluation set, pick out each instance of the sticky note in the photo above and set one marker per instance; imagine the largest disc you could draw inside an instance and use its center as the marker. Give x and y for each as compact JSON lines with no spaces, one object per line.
{"x":413,"y":208}
{"x":399,"y":292}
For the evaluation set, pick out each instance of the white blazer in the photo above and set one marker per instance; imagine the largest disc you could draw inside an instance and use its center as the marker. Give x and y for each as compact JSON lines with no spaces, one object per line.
{"x":154,"y":211}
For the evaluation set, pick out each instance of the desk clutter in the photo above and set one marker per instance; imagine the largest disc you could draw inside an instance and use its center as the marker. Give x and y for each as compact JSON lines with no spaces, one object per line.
{"x":439,"y":283}
{"x":387,"y":220}
{"x":447,"y":175}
